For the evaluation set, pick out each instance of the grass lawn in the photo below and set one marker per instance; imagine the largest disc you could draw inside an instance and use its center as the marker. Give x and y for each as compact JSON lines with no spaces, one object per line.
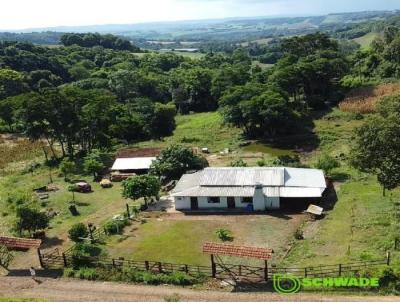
{"x":201,"y":130}
{"x":181,"y":240}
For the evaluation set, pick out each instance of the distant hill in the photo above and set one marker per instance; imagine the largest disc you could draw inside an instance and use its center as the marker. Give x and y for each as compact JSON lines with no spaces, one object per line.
{"x":342,"y":25}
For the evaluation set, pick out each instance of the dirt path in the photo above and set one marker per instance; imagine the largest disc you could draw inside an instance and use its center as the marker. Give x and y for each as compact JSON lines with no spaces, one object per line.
{"x":77,"y":290}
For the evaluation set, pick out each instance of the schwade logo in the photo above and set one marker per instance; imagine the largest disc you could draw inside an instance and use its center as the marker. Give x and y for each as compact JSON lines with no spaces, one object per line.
{"x":286,"y":284}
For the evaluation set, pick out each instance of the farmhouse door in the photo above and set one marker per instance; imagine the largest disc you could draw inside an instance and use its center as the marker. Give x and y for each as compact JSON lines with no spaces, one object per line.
{"x":231,"y":203}
{"x":194,"y":203}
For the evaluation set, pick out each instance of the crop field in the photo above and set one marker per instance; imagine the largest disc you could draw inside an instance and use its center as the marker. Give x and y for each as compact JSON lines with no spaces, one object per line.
{"x":364,"y":100}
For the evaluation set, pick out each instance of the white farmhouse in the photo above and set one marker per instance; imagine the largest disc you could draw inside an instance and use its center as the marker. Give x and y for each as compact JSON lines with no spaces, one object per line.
{"x":255,"y":188}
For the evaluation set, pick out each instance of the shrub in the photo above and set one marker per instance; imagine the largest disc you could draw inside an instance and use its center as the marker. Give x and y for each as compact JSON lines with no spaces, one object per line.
{"x":69,"y":273}
{"x":132,"y":275}
{"x":327,"y":163}
{"x":261,"y":163}
{"x":81,"y":254}
{"x":288,"y":161}
{"x":87,"y":273}
{"x":238,"y":163}
{"x":224,"y":235}
{"x":73,"y":188}
{"x":389,"y":281}
{"x":78,"y":231}
{"x":113,"y":227}
{"x":299,"y":234}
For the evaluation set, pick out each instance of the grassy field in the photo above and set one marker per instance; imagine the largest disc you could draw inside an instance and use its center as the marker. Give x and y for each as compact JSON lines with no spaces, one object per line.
{"x":361,"y":224}
{"x":180,"y":240}
{"x":366,"y":40}
{"x":200,"y":130}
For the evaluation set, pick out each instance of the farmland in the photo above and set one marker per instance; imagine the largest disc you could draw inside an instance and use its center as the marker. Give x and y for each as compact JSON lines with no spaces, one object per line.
{"x":346,"y":234}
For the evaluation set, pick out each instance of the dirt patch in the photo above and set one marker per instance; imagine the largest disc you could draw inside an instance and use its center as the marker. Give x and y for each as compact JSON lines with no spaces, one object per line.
{"x":138,"y":152}
{"x":77,"y":290}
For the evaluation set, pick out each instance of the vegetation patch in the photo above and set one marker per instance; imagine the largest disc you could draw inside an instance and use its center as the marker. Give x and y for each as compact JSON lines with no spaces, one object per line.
{"x":364,"y":99}
{"x":135,"y":276}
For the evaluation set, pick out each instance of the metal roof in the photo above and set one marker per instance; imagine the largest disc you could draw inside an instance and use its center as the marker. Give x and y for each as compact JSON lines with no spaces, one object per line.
{"x":217,"y":191}
{"x":300,"y":192}
{"x":133,"y":163}
{"x":242,"y":176}
{"x":309,"y":178}
{"x":187,"y":181}
{"x":275,"y":182}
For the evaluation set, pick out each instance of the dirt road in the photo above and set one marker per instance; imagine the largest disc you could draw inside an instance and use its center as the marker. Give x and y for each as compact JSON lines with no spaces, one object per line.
{"x":77,"y":290}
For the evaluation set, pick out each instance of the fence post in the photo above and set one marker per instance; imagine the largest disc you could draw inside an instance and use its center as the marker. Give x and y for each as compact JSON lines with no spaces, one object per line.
{"x":146,"y":264}
{"x":305,"y":272}
{"x":340,"y":270}
{"x":388,"y":258}
{"x":266,"y":270}
{"x":127,"y":211}
{"x":113,"y":262}
{"x":64,"y":260}
{"x":213,"y":267}
{"x":159,"y":267}
{"x":240,"y":270}
{"x":186,"y":269}
{"x":40,"y":258}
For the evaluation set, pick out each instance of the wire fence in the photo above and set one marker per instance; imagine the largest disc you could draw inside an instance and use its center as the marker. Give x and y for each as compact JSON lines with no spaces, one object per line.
{"x":57,"y":259}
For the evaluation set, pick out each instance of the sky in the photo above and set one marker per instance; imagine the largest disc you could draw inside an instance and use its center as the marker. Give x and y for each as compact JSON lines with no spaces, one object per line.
{"x":22,"y":14}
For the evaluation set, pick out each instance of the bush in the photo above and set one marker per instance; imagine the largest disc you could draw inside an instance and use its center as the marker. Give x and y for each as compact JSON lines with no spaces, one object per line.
{"x":131,"y":275}
{"x":327,"y":163}
{"x":116,"y":226}
{"x":81,"y":254}
{"x":288,"y":161}
{"x":78,"y":231}
{"x":87,"y":274}
{"x":389,"y":282}
{"x":238,"y":163}
{"x":69,"y":273}
{"x":224,"y":235}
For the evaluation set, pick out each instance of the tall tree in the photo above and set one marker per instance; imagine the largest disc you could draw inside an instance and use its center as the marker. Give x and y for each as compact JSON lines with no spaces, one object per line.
{"x":377,"y":144}
{"x":142,"y":186}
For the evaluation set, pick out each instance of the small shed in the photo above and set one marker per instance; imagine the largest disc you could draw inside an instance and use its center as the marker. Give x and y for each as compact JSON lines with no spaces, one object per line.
{"x":133,"y":161}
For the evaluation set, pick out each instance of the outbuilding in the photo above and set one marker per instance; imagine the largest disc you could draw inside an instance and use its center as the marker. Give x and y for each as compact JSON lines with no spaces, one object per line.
{"x":258,"y":188}
{"x":127,"y":167}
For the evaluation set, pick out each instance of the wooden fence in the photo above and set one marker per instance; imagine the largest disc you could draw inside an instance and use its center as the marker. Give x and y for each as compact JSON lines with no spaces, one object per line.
{"x":244,"y":273}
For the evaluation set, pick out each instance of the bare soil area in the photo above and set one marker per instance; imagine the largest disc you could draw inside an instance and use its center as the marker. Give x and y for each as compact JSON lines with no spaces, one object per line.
{"x":62,"y":290}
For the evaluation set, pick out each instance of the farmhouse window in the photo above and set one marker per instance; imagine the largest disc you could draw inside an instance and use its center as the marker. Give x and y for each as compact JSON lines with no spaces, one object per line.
{"x":213,"y":200}
{"x":247,"y":199}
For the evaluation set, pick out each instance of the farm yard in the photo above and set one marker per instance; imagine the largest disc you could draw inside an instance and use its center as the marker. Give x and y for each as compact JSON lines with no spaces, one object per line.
{"x":359,"y":220}
{"x":179,"y":239}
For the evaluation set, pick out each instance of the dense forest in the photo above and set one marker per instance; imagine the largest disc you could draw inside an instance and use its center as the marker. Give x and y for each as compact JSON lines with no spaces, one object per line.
{"x":97,"y":92}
